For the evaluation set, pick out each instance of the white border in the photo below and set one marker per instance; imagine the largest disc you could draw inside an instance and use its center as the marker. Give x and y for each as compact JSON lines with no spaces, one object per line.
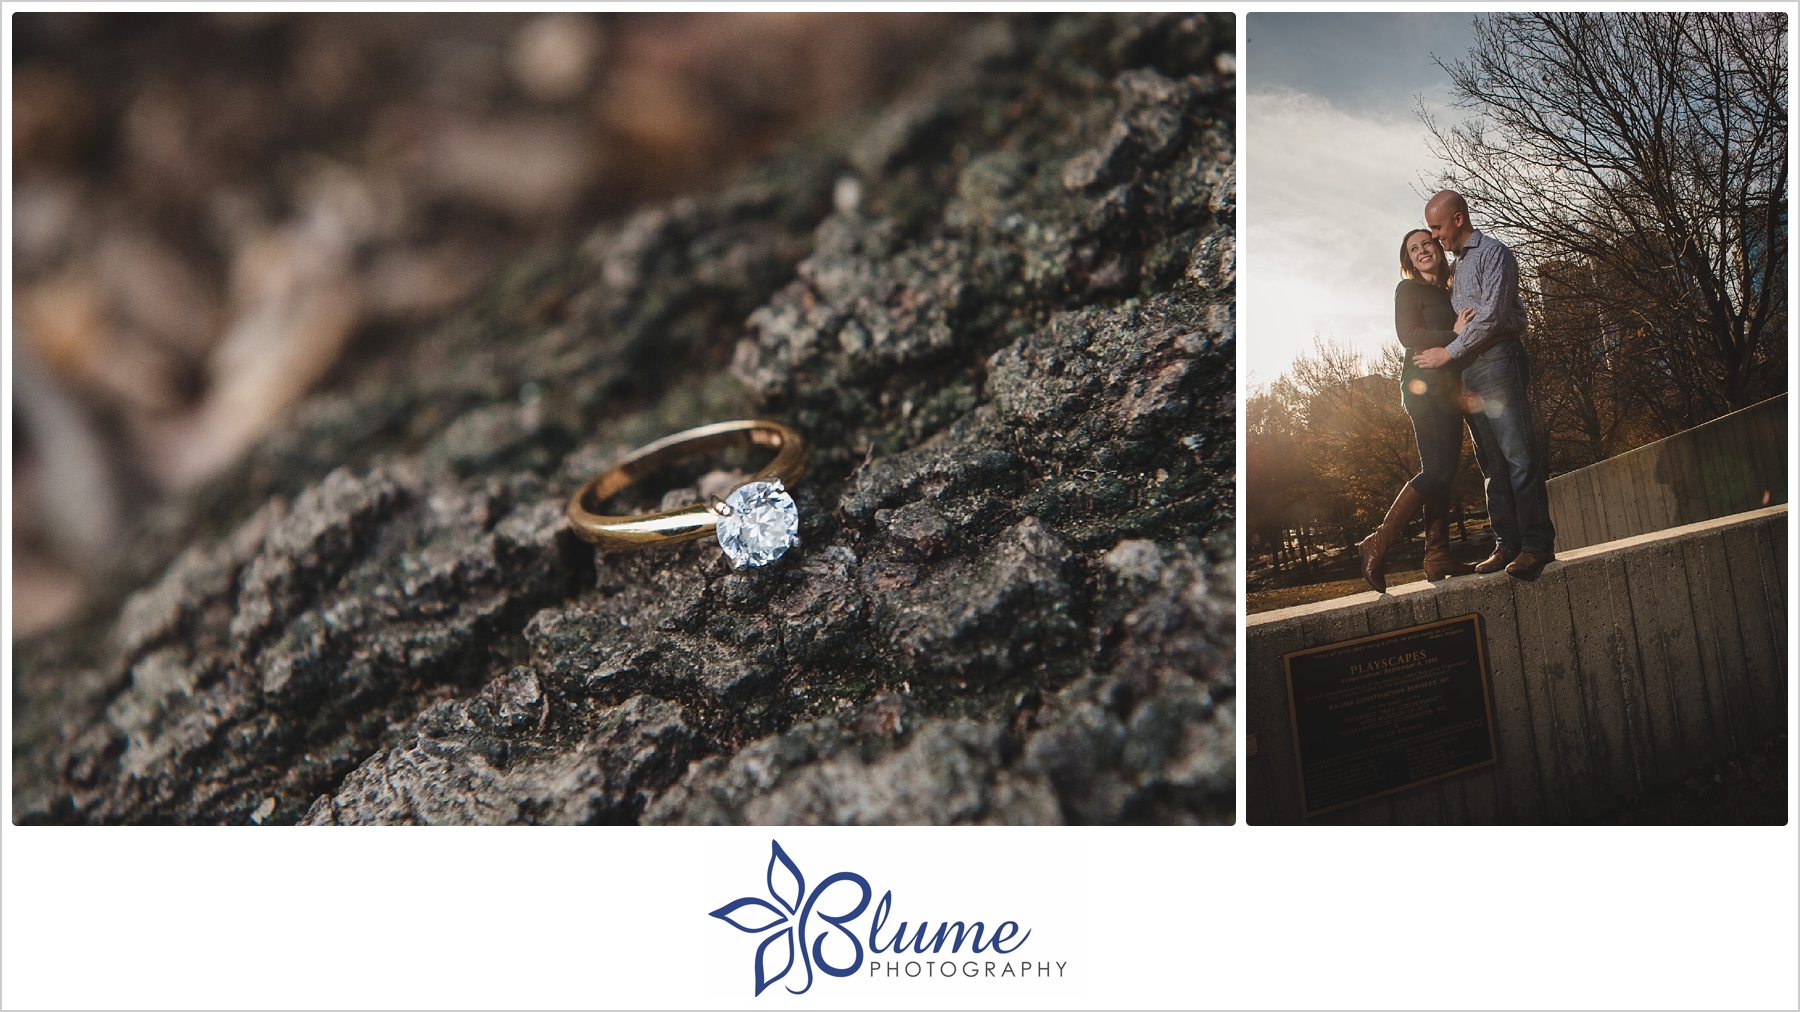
{"x":1238,"y":916}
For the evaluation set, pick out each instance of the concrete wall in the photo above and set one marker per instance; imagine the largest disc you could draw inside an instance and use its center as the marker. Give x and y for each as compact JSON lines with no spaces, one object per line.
{"x":1723,"y":467}
{"x":1622,"y":668}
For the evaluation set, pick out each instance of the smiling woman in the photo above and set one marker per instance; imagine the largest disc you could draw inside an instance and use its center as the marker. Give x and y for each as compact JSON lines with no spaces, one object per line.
{"x":1557,"y":338}
{"x":1423,"y":318}
{"x":1335,"y":157}
{"x":1334,"y":153}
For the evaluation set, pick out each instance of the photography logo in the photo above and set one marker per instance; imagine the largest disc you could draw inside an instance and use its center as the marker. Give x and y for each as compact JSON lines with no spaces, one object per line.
{"x":801,"y":931}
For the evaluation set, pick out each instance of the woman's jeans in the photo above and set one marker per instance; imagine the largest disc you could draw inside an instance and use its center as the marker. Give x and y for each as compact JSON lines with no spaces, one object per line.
{"x":1437,"y":422}
{"x":1494,"y":393}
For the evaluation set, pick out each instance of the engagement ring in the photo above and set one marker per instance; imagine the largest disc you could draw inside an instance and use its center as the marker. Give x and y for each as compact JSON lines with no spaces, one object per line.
{"x":755,"y":524}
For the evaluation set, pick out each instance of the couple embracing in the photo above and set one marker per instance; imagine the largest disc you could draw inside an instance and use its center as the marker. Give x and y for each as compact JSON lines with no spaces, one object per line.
{"x":1466,"y":366}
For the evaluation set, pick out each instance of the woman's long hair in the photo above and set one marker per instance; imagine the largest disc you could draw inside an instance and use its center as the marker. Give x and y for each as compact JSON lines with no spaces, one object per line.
{"x":1407,"y":270}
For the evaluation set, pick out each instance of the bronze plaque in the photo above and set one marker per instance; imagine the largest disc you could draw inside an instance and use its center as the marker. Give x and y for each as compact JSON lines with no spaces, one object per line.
{"x":1384,"y":713}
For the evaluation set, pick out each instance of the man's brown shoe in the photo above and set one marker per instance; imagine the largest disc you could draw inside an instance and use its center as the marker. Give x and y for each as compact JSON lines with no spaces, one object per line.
{"x":1495,"y":562}
{"x":1528,"y":564}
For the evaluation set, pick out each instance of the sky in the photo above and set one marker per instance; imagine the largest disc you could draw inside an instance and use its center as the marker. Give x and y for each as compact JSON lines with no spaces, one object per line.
{"x":1336,"y":172}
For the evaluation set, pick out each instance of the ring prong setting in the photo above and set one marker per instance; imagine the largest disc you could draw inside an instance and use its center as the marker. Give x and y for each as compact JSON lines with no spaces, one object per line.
{"x":758,"y":523}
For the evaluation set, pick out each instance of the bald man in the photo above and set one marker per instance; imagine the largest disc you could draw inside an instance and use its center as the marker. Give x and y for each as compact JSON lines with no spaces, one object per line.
{"x":1495,"y":372}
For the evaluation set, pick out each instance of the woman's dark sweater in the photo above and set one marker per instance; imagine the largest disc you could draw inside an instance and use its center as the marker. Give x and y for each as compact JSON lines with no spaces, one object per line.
{"x":1423,"y":319}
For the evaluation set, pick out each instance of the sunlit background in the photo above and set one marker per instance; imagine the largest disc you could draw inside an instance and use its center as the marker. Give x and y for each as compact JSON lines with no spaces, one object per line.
{"x":1636,"y":331}
{"x":1337,"y":171}
{"x":215,"y":214}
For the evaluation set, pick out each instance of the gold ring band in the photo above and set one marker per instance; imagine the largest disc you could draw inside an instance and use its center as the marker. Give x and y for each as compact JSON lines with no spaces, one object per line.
{"x":688,"y":523}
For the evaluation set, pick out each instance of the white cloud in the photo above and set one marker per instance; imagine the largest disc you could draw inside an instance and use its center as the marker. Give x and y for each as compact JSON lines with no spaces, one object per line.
{"x":1328,"y":194}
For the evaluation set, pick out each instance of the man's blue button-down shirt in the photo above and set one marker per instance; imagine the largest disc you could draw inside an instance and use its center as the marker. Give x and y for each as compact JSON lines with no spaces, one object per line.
{"x":1487,"y":278}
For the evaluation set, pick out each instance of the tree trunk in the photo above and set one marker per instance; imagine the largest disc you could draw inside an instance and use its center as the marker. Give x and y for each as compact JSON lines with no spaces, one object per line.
{"x":1002,"y":314}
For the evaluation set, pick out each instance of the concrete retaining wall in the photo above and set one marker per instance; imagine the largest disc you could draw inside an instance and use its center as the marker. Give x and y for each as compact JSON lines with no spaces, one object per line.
{"x":1718,"y":469}
{"x":1622,"y":668}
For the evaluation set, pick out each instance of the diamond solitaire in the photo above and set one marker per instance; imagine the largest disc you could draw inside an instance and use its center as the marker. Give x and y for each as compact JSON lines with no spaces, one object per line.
{"x":754,"y":525}
{"x":757,"y":523}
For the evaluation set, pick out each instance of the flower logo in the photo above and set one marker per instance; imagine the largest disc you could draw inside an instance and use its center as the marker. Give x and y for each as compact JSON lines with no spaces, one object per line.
{"x":786,"y":919}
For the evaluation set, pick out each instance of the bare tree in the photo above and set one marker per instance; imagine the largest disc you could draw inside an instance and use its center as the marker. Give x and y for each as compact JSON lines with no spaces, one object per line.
{"x":1273,"y":471}
{"x":1337,"y":443}
{"x":1359,"y":444}
{"x":1653,"y":147}
{"x":1327,"y":447}
{"x":1597,"y":388}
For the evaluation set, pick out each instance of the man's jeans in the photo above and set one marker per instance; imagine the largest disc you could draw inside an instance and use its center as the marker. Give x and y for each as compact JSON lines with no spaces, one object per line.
{"x":1494,"y":392}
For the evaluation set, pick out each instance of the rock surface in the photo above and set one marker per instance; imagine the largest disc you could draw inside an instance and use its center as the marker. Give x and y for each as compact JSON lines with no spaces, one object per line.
{"x":1002,"y":313}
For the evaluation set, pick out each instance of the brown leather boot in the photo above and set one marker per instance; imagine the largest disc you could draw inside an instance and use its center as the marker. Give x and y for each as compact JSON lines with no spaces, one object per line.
{"x":1374,"y":548}
{"x":1527,"y":565}
{"x":1495,"y":562}
{"x":1438,"y":563}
